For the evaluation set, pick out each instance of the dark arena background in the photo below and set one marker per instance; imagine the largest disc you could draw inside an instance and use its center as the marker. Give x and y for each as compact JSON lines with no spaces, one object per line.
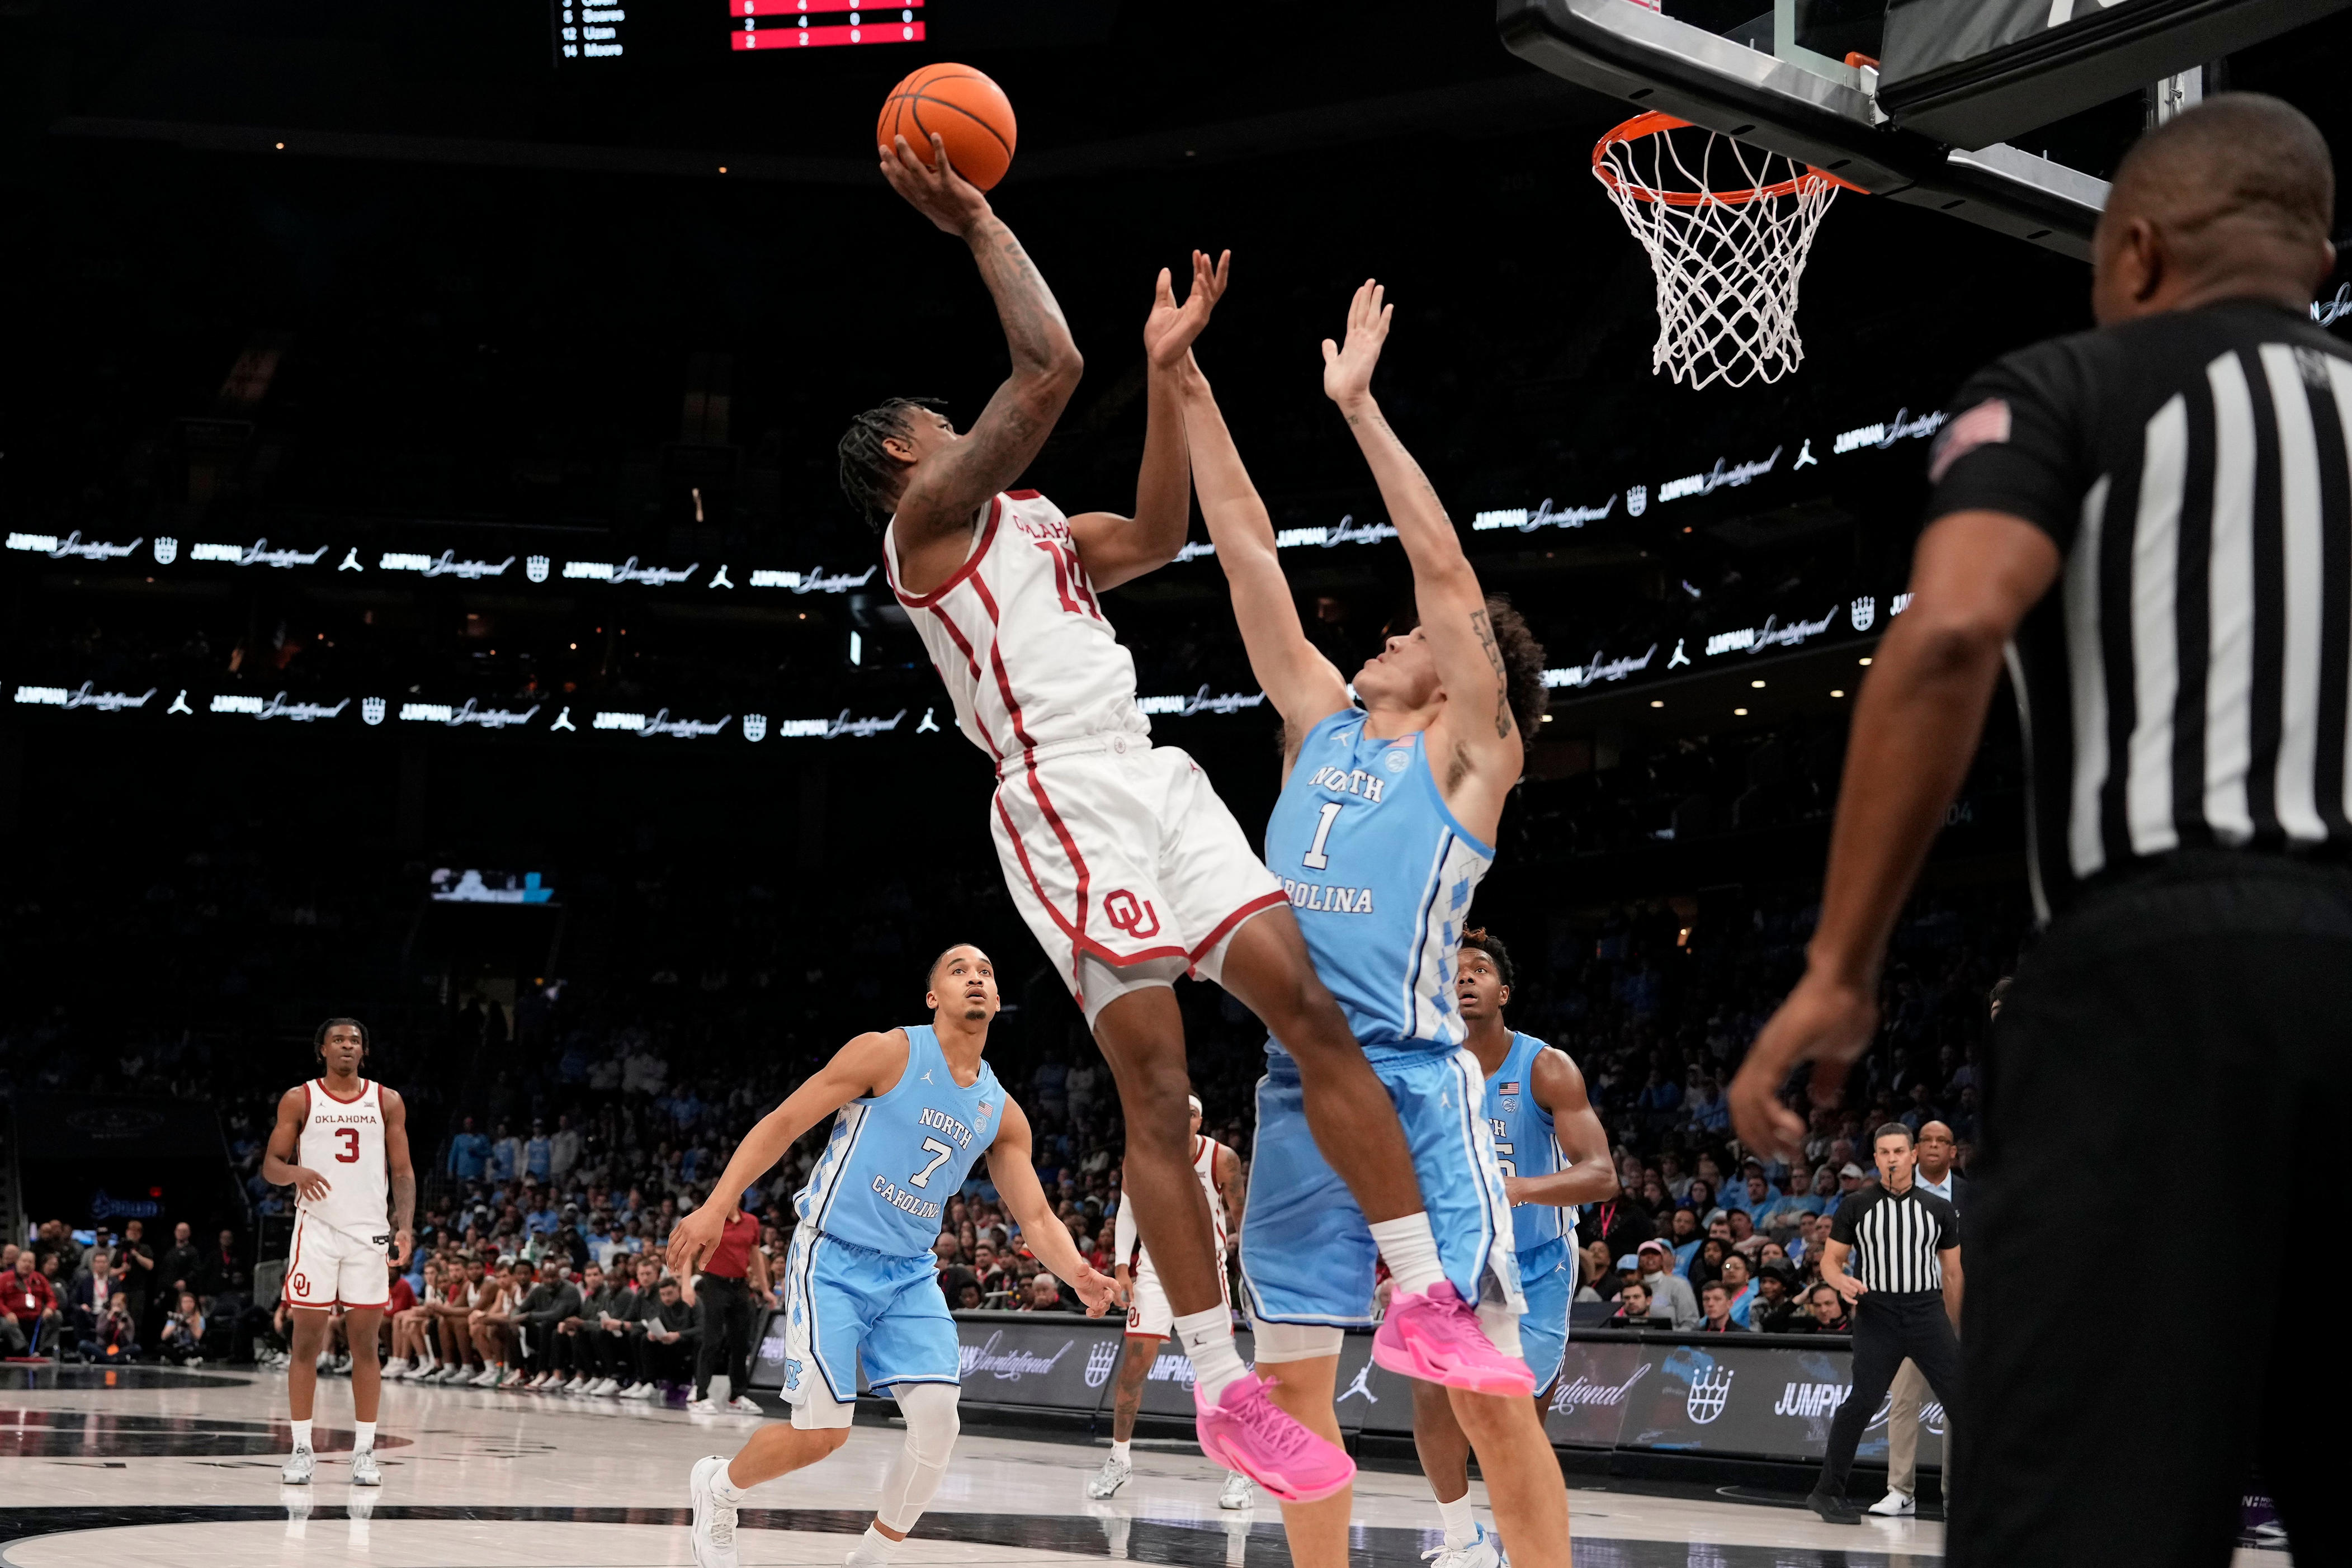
{"x":428,"y":598}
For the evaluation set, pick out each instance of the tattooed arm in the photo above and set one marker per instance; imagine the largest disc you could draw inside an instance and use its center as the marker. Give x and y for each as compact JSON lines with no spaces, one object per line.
{"x":948,"y":485}
{"x":1474,"y":731}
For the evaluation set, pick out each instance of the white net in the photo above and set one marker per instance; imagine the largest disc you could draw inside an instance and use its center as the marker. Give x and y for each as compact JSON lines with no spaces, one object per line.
{"x":1728,"y":227}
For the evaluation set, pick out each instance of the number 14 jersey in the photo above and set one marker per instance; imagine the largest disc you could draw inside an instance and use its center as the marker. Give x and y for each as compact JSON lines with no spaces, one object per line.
{"x":896,"y":1158}
{"x":1381,"y":875}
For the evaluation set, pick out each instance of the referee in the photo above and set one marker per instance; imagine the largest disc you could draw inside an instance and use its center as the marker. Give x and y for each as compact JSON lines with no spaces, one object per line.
{"x":2151,"y":525}
{"x":1903,"y":1290}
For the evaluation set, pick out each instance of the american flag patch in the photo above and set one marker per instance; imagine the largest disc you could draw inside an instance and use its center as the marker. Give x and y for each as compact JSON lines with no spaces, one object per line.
{"x":1985,"y":424}
{"x":1511,"y":1088}
{"x":983,"y":1111}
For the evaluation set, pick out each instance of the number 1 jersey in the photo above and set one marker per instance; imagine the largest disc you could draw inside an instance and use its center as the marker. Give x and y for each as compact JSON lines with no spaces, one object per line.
{"x":895,"y":1159}
{"x":1381,"y":875}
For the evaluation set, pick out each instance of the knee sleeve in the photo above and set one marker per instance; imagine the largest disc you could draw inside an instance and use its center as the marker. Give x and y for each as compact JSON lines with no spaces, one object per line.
{"x":1502,"y":1328}
{"x":918,"y":1466}
{"x":1293,"y":1341}
{"x":813,"y":1406}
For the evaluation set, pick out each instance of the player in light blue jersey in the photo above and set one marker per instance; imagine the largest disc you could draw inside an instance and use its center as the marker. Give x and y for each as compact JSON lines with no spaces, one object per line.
{"x":913,"y":1110}
{"x":1554,"y":1155}
{"x":1383,"y":830}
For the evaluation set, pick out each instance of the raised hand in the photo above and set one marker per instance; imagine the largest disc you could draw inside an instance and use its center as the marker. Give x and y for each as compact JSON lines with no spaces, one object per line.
{"x":1169,"y":328}
{"x":1347,"y":366}
{"x":934,"y":189}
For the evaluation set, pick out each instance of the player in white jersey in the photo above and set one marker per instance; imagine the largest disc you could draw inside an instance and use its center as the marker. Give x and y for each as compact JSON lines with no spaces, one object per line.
{"x":1149,"y":1315}
{"x":1126,"y":866}
{"x":342,"y":1143}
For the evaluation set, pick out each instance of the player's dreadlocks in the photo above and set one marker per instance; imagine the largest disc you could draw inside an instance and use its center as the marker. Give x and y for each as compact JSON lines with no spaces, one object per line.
{"x":869,"y":474}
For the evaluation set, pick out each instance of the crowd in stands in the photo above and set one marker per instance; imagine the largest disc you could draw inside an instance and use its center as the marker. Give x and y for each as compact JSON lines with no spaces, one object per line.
{"x":574,"y":1121}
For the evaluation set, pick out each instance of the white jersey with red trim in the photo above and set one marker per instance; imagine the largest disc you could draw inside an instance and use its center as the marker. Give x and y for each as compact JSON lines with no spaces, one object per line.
{"x":1130,"y":1240}
{"x":342,"y":1139}
{"x":1016,"y":633}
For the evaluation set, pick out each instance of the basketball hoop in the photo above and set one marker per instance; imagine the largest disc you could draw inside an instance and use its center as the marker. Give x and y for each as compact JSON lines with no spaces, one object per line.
{"x":1726,"y":261}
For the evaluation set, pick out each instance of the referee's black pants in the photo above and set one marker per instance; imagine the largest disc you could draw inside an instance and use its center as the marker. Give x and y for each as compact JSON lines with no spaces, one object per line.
{"x":1889,"y":1327}
{"x":726,"y":1309}
{"x":2165,"y":1030}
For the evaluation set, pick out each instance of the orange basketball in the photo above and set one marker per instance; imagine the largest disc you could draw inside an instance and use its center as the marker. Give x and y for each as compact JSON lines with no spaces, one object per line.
{"x":971,"y":114}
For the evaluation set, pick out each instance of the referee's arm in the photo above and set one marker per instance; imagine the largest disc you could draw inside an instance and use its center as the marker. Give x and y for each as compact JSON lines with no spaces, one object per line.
{"x":1915,"y":730}
{"x":1833,"y":1257}
{"x":1950,"y":1258}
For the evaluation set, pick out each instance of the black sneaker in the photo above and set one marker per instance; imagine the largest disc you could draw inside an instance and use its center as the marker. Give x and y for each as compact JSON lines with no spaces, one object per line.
{"x":1833,"y":1509}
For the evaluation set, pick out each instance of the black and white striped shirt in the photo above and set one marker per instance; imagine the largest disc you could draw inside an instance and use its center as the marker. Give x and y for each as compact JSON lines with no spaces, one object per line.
{"x":2186,"y":682}
{"x":1895,"y":1237}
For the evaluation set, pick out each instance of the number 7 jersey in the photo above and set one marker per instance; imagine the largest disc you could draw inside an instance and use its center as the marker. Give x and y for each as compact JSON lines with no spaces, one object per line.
{"x":896,"y":1158}
{"x":1381,"y":875}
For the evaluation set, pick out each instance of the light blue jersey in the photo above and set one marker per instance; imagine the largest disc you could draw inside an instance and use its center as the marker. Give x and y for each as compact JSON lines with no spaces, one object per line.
{"x":1527,"y":1146}
{"x":895,"y":1159}
{"x":1381,"y":875}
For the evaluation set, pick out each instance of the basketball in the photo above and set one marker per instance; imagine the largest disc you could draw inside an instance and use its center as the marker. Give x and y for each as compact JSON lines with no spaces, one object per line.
{"x":971,"y":114}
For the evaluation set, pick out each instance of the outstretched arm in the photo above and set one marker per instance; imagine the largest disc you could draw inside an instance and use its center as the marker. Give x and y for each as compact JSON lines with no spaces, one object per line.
{"x":946,"y":488}
{"x":1302,"y":683}
{"x":1974,"y":577}
{"x":1024,"y":1200}
{"x":1116,"y":549}
{"x":870,"y":1064}
{"x":1476,"y":723}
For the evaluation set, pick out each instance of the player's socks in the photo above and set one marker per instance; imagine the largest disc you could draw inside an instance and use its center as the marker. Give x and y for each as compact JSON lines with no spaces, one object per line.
{"x":301,"y":1434}
{"x":1461,"y":1529}
{"x":1410,"y":1251}
{"x":723,"y":1487}
{"x":362,"y":1436}
{"x":1208,"y":1338}
{"x":872,"y":1547}
{"x":1118,"y":1450}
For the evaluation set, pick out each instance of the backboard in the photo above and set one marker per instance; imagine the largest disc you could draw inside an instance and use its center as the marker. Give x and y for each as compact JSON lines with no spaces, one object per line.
{"x":1917,"y":101}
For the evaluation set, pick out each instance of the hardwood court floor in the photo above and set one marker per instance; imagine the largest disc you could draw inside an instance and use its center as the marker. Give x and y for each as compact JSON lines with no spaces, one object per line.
{"x":180,"y":1470}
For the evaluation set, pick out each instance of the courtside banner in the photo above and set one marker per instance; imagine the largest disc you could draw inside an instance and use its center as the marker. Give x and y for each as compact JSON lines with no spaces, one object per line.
{"x":1716,"y":1395}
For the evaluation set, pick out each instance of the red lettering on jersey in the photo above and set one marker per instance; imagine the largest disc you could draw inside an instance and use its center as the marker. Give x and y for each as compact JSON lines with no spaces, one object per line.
{"x":1069,"y":576}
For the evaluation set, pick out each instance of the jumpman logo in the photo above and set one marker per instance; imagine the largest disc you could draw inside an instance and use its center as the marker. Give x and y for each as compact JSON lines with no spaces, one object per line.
{"x":564,"y":722}
{"x":352,"y":560}
{"x":929,"y":724}
{"x":1363,"y":1385}
{"x":721,"y":580}
{"x":927,"y":1075}
{"x":1678,"y":656}
{"x":180,"y":704}
{"x":1805,"y":457}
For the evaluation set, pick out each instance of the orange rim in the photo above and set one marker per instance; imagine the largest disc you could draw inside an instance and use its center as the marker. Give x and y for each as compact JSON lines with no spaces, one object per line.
{"x":1655,"y":123}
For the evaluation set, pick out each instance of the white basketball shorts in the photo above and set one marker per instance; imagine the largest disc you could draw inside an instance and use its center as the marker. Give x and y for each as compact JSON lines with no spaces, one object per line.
{"x":332,"y":1267}
{"x":1128,"y":868}
{"x":1148,"y":1313}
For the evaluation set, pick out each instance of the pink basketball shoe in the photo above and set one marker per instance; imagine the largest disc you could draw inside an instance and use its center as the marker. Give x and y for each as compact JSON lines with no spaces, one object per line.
{"x":1433,"y":1335}
{"x":1246,"y":1431}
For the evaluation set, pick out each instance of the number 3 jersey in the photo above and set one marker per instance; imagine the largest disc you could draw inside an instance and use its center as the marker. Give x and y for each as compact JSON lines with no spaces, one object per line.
{"x":895,"y":1159}
{"x":342,"y":1139}
{"x":1381,"y":875}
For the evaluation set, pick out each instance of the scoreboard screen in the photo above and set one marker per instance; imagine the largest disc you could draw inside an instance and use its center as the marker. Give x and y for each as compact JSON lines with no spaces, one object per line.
{"x":586,"y":30}
{"x":820,"y":23}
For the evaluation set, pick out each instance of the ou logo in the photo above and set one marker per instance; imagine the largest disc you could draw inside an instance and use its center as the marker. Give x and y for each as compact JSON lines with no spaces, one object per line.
{"x":1132,"y":915}
{"x":301,"y":1283}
